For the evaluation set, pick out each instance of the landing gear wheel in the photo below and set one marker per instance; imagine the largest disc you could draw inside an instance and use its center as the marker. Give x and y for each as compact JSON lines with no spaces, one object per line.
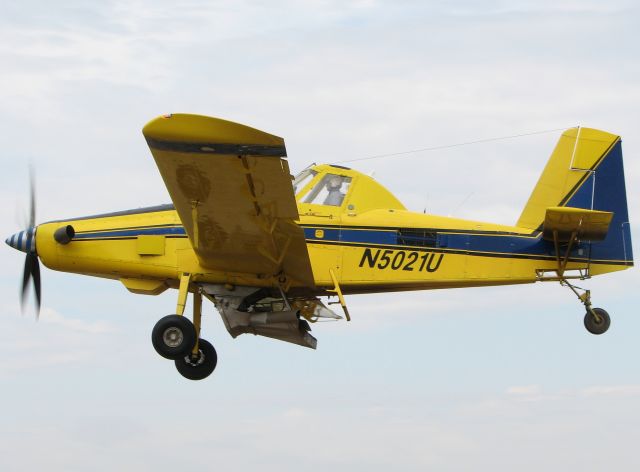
{"x":597,"y":325}
{"x":173,"y":336}
{"x":201,"y":366}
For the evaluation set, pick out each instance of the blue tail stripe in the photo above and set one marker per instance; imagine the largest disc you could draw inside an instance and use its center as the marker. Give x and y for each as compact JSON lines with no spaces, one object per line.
{"x":608,"y":194}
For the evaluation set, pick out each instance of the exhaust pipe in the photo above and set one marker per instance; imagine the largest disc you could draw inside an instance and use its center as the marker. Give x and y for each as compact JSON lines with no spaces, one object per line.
{"x":64,"y":235}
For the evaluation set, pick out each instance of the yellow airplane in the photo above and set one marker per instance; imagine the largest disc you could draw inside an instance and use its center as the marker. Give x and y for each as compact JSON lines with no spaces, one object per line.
{"x":263,"y":246}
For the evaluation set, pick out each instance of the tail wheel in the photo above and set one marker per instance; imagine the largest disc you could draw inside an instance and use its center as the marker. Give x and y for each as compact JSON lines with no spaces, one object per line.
{"x":173,"y":336}
{"x":597,"y":322}
{"x":200,"y":366}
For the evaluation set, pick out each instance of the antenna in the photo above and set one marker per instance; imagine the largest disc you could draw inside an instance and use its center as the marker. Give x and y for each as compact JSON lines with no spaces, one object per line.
{"x":464,"y":200}
{"x":447,"y":146}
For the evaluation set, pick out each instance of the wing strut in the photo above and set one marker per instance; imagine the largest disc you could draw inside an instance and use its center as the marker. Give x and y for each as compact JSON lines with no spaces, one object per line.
{"x":562,"y":261}
{"x":183,"y":291}
{"x":336,"y":289}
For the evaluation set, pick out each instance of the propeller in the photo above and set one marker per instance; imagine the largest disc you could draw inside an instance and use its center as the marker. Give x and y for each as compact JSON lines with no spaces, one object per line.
{"x":31,"y":271}
{"x":25,"y":241}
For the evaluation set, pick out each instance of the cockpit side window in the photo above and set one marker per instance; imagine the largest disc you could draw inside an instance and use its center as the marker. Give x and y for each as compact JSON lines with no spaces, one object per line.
{"x":302,"y":179}
{"x":330,"y":190}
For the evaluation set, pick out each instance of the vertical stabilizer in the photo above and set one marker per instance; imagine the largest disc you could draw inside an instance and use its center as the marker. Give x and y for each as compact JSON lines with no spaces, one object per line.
{"x":585,"y":171}
{"x":578,"y":152}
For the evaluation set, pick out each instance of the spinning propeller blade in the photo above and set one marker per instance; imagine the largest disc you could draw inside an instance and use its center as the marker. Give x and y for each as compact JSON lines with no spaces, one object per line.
{"x":25,"y":241}
{"x":31,"y":271}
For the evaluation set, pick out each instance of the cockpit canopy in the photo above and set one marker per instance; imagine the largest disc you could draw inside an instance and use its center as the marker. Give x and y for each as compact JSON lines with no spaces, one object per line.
{"x":335,"y":187}
{"x":329,"y":190}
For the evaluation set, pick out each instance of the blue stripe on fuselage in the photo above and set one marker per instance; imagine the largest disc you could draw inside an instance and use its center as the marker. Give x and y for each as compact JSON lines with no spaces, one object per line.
{"x":481,"y":243}
{"x":494,"y":243}
{"x":486,"y":243}
{"x":351,"y":235}
{"x":131,"y":233}
{"x":498,"y":243}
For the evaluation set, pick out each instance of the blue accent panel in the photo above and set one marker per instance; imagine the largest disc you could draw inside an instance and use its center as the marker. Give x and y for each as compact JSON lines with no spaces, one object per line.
{"x":173,"y":231}
{"x":20,"y":240}
{"x":329,"y":234}
{"x":609,"y":195}
{"x":582,"y":198}
{"x":460,"y":242}
{"x":508,"y":245}
{"x":373,"y":237}
{"x":481,"y":243}
{"x":353,"y":235}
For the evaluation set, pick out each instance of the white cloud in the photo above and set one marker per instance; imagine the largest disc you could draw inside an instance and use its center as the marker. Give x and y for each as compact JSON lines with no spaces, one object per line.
{"x":295,"y":413}
{"x":50,"y":316}
{"x":456,"y":435}
{"x":55,"y":341}
{"x":612,"y":391}
{"x":524,"y":390}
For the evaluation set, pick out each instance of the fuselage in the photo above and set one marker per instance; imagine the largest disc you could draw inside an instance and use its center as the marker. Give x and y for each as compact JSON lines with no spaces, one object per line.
{"x":366,"y":237}
{"x":381,"y":250}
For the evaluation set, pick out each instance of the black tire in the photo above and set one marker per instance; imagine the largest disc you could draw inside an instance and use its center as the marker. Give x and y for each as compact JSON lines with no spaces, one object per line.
{"x":203,"y":366}
{"x":173,"y":336}
{"x":597,"y":327}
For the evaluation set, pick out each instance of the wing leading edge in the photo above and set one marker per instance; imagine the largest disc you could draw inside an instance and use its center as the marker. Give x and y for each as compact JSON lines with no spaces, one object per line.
{"x":232,"y":189}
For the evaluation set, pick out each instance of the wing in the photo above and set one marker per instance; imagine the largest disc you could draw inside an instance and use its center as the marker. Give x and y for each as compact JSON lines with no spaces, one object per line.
{"x":232,"y":189}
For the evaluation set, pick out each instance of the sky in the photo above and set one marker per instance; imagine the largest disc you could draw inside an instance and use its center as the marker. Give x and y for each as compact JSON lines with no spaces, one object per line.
{"x":486,"y":379}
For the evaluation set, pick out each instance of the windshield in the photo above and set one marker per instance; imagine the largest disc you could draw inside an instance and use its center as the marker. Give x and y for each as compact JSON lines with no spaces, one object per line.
{"x":330,"y":190}
{"x":302,"y":179}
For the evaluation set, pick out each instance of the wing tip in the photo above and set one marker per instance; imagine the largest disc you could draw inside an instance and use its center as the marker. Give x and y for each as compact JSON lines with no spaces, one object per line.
{"x":184,"y":127}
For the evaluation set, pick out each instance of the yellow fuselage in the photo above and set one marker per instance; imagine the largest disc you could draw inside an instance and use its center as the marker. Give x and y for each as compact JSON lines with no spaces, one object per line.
{"x":378,"y":250}
{"x":369,"y":241}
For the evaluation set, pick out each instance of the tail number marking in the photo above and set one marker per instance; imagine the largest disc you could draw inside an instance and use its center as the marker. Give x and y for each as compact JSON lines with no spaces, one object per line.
{"x":396,"y":260}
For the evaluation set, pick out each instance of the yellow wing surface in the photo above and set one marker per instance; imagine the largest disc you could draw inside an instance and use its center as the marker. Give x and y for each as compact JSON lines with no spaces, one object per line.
{"x":232,"y":189}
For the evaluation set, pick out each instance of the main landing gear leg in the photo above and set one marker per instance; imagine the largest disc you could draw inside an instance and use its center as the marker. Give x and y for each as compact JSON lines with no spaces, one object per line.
{"x":596,"y":320}
{"x":175,"y":337}
{"x":202,"y":360}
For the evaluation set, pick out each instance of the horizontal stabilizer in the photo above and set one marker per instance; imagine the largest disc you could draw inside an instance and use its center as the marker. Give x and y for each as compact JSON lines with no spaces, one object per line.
{"x":568,"y":223}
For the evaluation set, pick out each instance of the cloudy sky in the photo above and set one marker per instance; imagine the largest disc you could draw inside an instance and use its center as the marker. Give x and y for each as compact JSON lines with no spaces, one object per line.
{"x":495,"y":379}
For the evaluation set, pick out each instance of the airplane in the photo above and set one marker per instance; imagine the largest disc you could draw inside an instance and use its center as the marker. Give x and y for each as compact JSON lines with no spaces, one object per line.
{"x":264,"y":246}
